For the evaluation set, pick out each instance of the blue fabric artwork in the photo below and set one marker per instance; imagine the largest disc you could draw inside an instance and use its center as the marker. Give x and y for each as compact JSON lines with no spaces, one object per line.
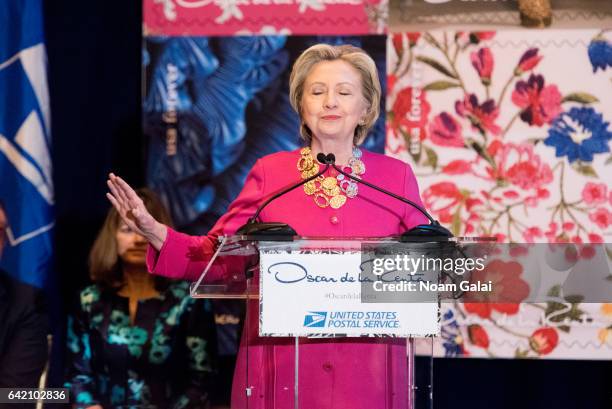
{"x":226,"y":102}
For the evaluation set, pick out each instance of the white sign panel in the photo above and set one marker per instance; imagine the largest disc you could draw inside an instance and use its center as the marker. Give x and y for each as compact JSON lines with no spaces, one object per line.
{"x":319,"y":294}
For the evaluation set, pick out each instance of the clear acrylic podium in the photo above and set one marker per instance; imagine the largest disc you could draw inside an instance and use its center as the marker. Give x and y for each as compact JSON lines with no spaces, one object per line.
{"x":306,"y":341}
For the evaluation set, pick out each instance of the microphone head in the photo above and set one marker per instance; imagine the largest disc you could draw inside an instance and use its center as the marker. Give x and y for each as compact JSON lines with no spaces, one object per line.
{"x":330,"y":158}
{"x":322,"y":158}
{"x":427,"y":232}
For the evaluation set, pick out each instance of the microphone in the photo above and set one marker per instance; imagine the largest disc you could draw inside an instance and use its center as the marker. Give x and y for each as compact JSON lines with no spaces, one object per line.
{"x":276,"y":231}
{"x":423,"y":232}
{"x":329,"y":159}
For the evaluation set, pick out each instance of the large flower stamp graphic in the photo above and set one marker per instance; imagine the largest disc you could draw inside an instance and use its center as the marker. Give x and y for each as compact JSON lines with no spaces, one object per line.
{"x":513,"y":147}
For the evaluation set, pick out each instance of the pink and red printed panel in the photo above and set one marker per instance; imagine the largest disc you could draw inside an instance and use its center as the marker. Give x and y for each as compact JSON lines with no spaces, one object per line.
{"x":245,"y":17}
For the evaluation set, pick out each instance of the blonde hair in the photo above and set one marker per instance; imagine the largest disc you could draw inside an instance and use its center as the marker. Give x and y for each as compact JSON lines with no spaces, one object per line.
{"x":104,"y":262}
{"x":359,"y":60}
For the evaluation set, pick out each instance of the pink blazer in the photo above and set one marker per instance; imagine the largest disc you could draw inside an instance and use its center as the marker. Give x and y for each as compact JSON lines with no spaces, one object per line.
{"x":344,"y":373}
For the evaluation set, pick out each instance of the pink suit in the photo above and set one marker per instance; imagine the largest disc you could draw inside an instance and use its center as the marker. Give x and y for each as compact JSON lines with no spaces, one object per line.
{"x":353,"y":373}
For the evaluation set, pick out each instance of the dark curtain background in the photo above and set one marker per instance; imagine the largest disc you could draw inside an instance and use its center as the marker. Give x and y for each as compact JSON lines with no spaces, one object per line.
{"x":94,"y":50}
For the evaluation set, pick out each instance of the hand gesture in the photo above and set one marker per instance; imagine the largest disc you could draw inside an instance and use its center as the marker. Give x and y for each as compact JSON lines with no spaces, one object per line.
{"x":133,"y":211}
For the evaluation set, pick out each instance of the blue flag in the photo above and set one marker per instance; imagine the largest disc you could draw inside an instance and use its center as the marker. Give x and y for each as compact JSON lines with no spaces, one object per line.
{"x":26,"y":187}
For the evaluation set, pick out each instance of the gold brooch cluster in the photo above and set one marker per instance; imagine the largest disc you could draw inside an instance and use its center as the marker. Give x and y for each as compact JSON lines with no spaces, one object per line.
{"x":327,"y":190}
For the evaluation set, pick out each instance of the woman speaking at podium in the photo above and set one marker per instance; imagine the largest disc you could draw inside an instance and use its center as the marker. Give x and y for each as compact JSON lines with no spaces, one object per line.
{"x":336,"y":92}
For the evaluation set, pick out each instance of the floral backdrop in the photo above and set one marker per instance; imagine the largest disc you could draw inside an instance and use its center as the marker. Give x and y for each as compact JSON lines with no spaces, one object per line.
{"x":508,"y":132}
{"x":509,"y":135}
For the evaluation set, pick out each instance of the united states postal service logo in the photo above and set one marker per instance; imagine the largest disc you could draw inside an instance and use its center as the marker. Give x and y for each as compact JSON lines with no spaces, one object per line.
{"x":315,"y":319}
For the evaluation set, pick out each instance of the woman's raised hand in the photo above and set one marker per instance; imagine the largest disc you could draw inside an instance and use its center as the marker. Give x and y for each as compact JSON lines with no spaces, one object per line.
{"x":133,"y":211}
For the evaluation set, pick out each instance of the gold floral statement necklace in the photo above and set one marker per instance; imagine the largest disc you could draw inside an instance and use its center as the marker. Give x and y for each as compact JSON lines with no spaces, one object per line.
{"x":330,"y":191}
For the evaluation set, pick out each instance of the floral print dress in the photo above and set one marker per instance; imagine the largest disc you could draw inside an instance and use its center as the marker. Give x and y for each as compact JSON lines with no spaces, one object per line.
{"x":163,"y":360}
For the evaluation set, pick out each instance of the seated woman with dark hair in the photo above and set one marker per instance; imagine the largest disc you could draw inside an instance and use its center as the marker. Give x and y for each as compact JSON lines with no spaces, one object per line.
{"x":137,"y":340}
